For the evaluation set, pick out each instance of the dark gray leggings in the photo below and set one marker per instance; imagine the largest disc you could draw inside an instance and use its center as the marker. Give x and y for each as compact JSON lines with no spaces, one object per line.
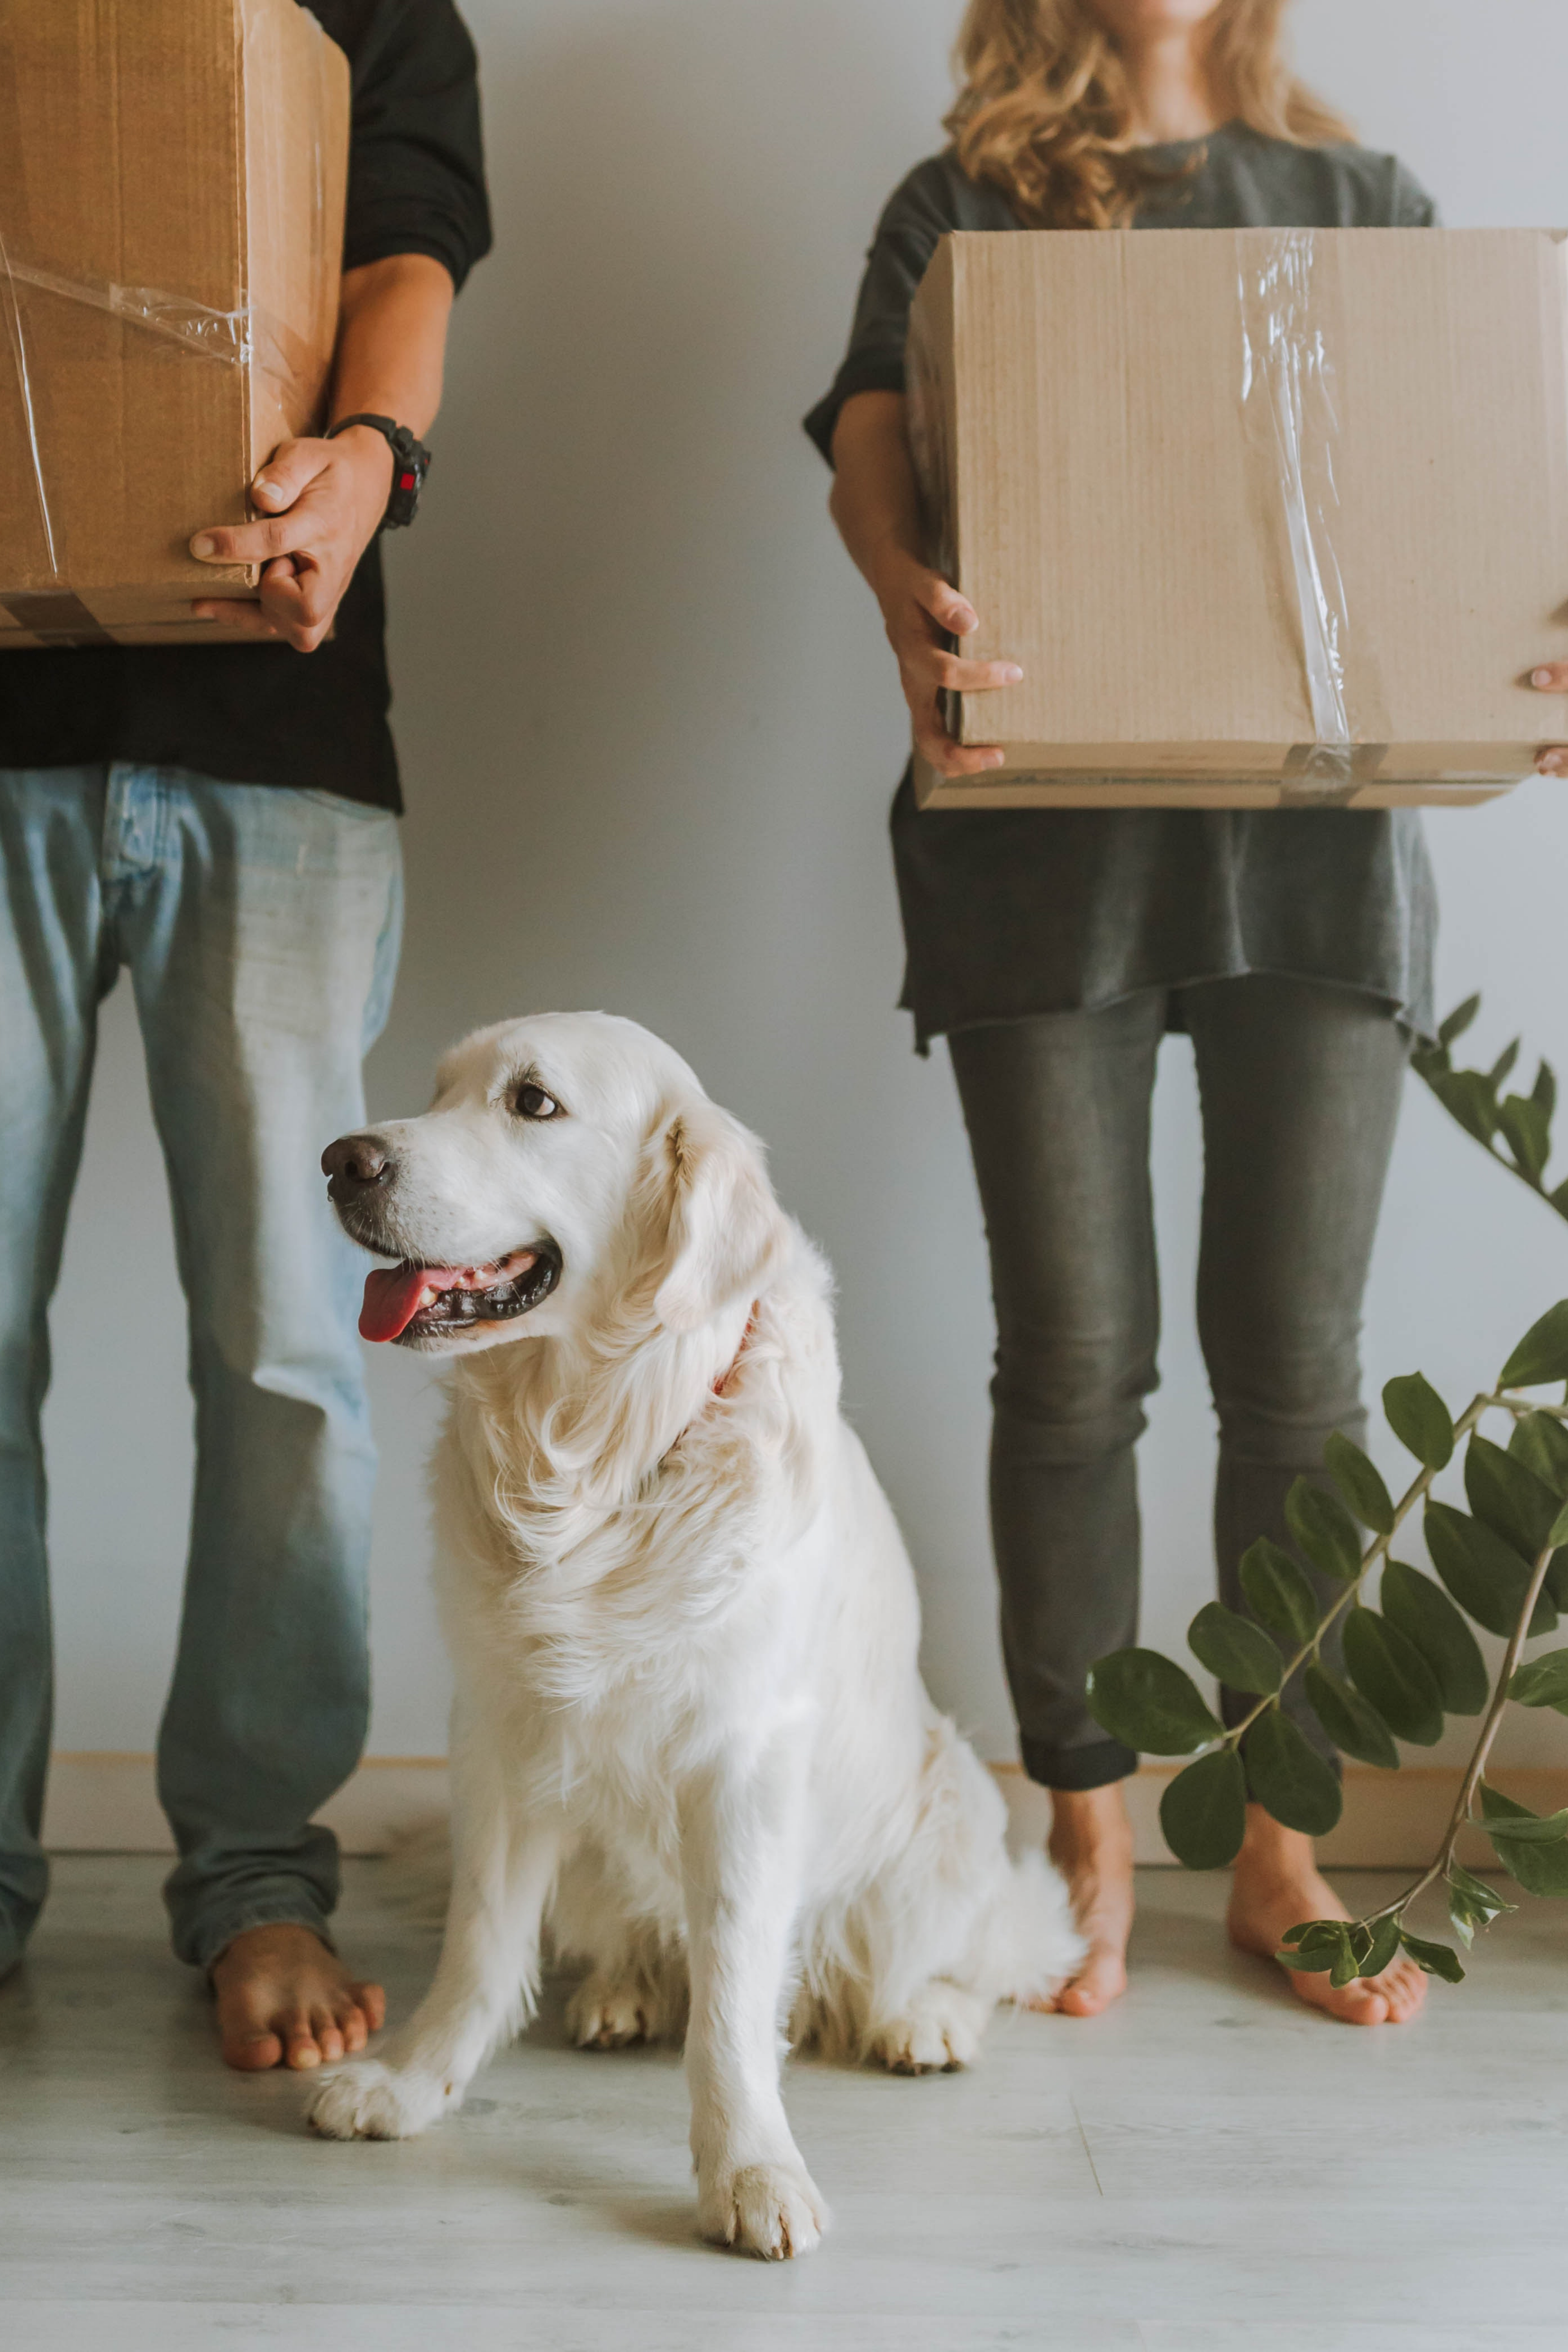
{"x":1300,"y":1086}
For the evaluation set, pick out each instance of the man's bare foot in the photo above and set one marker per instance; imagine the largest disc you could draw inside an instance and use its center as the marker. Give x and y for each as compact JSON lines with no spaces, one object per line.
{"x":1276,"y":1887}
{"x":283,"y":1999}
{"x":1091,"y":1846}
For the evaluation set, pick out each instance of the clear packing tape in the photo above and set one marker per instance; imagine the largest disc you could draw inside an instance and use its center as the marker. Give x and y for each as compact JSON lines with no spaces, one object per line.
{"x":239,"y":339}
{"x":1289,"y":332}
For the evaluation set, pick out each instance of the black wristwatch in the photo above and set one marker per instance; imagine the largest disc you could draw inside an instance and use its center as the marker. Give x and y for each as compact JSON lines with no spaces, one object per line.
{"x":410,"y":464}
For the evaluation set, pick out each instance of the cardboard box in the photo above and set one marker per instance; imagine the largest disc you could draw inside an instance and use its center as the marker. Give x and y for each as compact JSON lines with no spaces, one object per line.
{"x":172,"y":185}
{"x":1266,"y":516}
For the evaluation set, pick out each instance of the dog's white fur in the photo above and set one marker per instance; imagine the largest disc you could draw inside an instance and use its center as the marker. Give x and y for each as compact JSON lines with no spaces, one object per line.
{"x":690,"y":1737}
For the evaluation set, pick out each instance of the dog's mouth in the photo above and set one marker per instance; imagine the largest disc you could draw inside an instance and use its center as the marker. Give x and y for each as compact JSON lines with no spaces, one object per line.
{"x":411,"y":1301}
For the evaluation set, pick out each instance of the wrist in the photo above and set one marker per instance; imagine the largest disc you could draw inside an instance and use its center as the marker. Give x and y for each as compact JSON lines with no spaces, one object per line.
{"x":371,"y":454}
{"x":891,"y":567}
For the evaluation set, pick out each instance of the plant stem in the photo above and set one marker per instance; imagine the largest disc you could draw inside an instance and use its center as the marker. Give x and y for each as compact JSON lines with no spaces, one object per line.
{"x":1477,"y":1764}
{"x":1375,"y":1552}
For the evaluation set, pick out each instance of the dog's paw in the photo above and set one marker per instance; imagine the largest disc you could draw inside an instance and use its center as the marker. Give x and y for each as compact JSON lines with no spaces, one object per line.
{"x":605,"y":2014}
{"x":370,"y":2101}
{"x":773,"y":2211}
{"x":942,"y":2028}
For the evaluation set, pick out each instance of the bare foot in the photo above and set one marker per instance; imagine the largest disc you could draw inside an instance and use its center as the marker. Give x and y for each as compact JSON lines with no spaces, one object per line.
{"x":1277,"y":1886}
{"x":1091,"y":1846}
{"x":283,"y":1999}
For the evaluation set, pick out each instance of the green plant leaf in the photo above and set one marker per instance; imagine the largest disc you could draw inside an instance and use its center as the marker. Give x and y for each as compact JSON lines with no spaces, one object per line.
{"x":1540,"y":1443}
{"x":1485,"y":1575}
{"x":1320,"y":1945}
{"x":1359,"y":1484}
{"x":1204,"y":1811}
{"x":1557,"y":1580}
{"x":1234,"y":1650}
{"x":1458,"y":1021}
{"x":1426,"y":1616}
{"x":1427,"y":1060}
{"x":1527,"y":1131}
{"x":1506,"y":1493}
{"x":1519,"y":1822}
{"x":1542,"y":1354}
{"x":1420,"y":1420}
{"x":1280,"y":1592}
{"x":1391,"y":1675}
{"x":1544,"y":1090}
{"x":1313,"y":1932}
{"x":1148,"y":1702}
{"x":1559,"y":1199}
{"x":1435,"y":1959}
{"x":1539,"y":1869}
{"x":1503,"y":1066}
{"x":1353,"y":1727}
{"x":1382,"y":1945}
{"x":1288,"y":1778}
{"x":1468,"y":1096}
{"x":1543,"y":1682}
{"x":1472,"y":1904}
{"x":1324,"y":1529}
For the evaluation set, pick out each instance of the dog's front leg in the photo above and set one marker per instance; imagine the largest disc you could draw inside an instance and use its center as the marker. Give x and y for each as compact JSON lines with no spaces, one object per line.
{"x":740,"y":1854}
{"x":504,"y":1855}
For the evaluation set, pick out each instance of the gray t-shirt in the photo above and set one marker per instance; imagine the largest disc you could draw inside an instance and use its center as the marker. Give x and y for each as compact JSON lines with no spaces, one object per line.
{"x":1011,"y":912}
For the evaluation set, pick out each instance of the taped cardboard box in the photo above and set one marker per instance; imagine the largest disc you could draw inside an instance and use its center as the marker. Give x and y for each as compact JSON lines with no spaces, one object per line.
{"x":173,"y":176}
{"x":1266,"y":517}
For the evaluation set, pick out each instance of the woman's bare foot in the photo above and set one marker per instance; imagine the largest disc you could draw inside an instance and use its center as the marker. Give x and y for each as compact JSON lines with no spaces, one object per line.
{"x":283,"y":1999}
{"x":1276,"y":1887}
{"x":1091,"y":1846}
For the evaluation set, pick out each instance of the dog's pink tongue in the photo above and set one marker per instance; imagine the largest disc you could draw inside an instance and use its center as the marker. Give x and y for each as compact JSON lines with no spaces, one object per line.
{"x":393,"y":1296}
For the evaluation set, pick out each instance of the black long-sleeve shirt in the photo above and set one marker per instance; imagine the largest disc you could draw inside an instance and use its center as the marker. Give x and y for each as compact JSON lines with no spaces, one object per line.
{"x":262,"y":713}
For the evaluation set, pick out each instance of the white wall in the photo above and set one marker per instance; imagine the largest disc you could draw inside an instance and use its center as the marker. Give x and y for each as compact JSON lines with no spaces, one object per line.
{"x":650,"y":729}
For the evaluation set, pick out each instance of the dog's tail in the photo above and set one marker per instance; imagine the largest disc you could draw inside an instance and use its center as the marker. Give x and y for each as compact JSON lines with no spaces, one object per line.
{"x":1038,"y":1943}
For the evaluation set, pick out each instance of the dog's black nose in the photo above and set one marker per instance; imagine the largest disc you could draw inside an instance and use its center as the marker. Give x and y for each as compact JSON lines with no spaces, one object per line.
{"x":354,"y":1165}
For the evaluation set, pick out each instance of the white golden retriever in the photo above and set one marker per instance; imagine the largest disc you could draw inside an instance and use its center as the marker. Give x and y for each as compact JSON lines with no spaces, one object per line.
{"x":690,"y":1737}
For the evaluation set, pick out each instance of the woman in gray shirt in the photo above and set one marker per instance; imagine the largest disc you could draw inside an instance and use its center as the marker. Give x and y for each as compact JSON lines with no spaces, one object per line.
{"x":1055,"y":948}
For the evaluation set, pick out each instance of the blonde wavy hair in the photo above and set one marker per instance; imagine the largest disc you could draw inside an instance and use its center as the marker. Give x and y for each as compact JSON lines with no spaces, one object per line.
{"x":1045,"y":112}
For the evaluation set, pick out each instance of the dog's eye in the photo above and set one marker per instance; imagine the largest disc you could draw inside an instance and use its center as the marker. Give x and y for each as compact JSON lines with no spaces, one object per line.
{"x":532,"y":1102}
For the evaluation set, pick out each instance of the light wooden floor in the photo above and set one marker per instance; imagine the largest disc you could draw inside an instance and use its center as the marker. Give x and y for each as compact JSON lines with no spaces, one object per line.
{"x":1205,"y":2169}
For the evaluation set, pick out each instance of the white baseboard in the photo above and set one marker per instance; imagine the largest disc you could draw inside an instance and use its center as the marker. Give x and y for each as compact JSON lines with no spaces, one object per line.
{"x":107,"y":1803}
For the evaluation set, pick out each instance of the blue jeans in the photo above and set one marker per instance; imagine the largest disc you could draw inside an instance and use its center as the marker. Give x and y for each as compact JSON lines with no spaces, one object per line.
{"x":260,"y":929}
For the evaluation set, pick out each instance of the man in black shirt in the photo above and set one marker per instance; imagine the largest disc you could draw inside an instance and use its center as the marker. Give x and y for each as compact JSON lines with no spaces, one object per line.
{"x":221,"y":820}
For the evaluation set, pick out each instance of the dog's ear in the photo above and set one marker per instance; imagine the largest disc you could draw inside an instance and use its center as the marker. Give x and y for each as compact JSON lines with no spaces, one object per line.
{"x":726,"y":1230}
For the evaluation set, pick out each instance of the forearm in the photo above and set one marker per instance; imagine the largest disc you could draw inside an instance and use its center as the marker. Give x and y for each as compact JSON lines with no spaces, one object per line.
{"x":876,"y":504}
{"x":319,"y":502}
{"x":391,"y":341}
{"x":875,"y":501}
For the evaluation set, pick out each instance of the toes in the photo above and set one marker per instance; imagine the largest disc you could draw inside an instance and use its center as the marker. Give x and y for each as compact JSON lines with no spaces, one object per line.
{"x":251,"y":2053}
{"x":328,"y":2036}
{"x":1093,"y":1990}
{"x":370,"y":1999}
{"x":300,"y":2049}
{"x":354,"y":2028}
{"x":1403,"y":1988}
{"x":1079,"y":2000}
